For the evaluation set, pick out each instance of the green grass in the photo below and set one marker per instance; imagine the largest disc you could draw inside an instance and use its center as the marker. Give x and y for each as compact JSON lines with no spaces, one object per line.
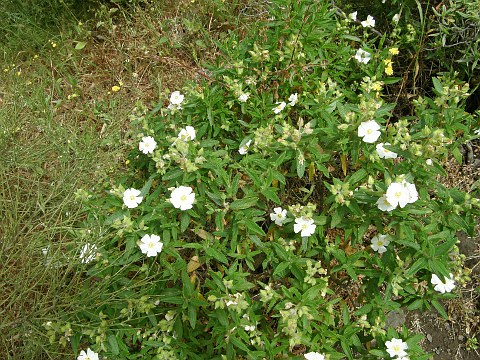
{"x":62,"y":128}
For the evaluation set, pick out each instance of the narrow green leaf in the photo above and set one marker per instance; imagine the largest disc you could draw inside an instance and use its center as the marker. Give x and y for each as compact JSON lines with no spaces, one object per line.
{"x":253,"y":227}
{"x":439,"y":308}
{"x":417,"y":265}
{"x":217,"y":255}
{"x":244,"y":203}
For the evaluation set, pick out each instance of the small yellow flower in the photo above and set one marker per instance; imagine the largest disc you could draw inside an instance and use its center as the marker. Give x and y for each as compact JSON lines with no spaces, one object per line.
{"x":393,"y":51}
{"x":387,"y":62}
{"x":389,"y":70}
{"x":115,"y":88}
{"x":377,"y":86}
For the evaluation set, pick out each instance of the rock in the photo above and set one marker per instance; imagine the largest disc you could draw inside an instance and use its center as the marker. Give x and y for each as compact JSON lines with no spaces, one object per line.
{"x":395,"y":318}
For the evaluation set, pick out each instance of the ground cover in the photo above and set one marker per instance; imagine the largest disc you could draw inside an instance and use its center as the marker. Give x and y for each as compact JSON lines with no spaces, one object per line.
{"x":74,"y":95}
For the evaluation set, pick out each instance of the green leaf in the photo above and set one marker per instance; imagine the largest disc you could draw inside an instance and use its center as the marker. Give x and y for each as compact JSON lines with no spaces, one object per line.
{"x":192,"y":316}
{"x":418,"y":265}
{"x":112,"y":340}
{"x":245,"y":203}
{"x":378,"y":353}
{"x":80,"y":45}
{"x":439,"y":308}
{"x":281,"y":268}
{"x":239,"y":344}
{"x":438,"y":86}
{"x":162,"y":40}
{"x":417,"y":304}
{"x":253,"y":227}
{"x":184,"y":222}
{"x":358,"y":176}
{"x":457,"y":155}
{"x":271,"y":195}
{"x":217,"y":255}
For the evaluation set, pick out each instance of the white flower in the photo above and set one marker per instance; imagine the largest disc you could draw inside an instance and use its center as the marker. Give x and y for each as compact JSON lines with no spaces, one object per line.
{"x":279,"y":215}
{"x":176,"y":98}
{"x":150,"y":245}
{"x":249,"y":327}
{"x":370,"y":22}
{"x":243,"y":149}
{"x":441,"y":286}
{"x":353,"y":16}
{"x":429,"y":162}
{"x":304,"y":226}
{"x":384,"y":205}
{"x":397,"y":194}
{"x":369,"y":131}
{"x":281,"y":105}
{"x":88,"y":253}
{"x":396,"y":347}
{"x":314,"y":356}
{"x":412,"y":191}
{"x":182,"y":197}
{"x":147,"y":145}
{"x":380,"y":243}
{"x":476,"y":132}
{"x":385,"y":153}
{"x":293,"y":99}
{"x":187,"y":134}
{"x":132,"y":198}
{"x":243,"y":98}
{"x":230,"y":303}
{"x":363,"y":56}
{"x":396,"y":18}
{"x":89,"y":355}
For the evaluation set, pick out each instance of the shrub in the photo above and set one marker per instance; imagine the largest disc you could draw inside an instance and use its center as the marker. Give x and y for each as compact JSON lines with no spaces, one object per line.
{"x":294,"y":212}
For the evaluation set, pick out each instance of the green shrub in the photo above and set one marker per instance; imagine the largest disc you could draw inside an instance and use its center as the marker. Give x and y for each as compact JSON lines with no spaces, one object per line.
{"x":234,"y":276}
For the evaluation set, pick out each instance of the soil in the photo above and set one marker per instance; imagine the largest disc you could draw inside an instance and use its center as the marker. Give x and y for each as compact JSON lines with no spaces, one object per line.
{"x":455,"y":338}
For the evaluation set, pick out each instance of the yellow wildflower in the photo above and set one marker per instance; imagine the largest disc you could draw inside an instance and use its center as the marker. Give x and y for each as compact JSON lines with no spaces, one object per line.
{"x":393,"y":51}
{"x":389,"y":70}
{"x":377,"y":85}
{"x":115,"y":88}
{"x":387,"y":62}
